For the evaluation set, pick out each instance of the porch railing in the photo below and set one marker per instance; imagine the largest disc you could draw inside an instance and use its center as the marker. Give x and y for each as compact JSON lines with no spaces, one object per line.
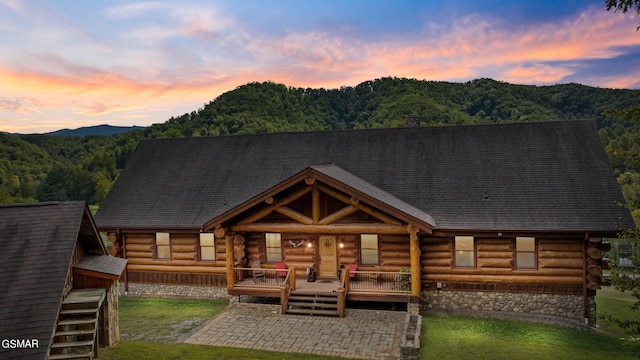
{"x":260,"y":277}
{"x":380,"y":281}
{"x":358,"y":281}
{"x":285,"y":290}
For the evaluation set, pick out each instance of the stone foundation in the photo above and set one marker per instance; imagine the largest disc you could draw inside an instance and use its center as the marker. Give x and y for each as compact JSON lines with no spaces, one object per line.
{"x":547,"y":308}
{"x":177,"y":291}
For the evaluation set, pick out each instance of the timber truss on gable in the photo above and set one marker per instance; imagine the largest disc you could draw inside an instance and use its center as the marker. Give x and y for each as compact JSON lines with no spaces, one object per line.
{"x":315,"y":186}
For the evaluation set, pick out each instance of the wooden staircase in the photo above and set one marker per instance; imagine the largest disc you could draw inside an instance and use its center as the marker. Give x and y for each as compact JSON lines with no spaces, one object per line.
{"x":311,"y":303}
{"x":76,"y":332}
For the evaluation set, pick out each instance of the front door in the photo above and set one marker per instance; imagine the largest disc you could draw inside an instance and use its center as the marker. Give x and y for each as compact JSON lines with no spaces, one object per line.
{"x":327,"y":252}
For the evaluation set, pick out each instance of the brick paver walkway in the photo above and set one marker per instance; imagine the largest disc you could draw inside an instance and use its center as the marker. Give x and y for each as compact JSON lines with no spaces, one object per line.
{"x":362,"y":334}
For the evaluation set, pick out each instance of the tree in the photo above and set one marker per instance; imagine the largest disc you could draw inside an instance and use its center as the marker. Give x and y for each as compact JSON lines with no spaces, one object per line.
{"x":67,"y":183}
{"x":624,"y":281}
{"x":623,"y":6}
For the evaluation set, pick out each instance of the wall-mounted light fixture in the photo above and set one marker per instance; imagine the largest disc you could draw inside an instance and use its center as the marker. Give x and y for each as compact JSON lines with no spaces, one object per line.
{"x":341,"y":242}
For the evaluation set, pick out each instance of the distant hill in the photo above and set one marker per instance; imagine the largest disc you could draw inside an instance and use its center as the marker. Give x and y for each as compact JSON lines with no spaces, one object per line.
{"x":103,"y":130}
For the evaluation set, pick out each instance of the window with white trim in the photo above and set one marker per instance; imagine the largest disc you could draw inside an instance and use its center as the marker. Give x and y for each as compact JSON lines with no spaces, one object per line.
{"x":465,"y":251}
{"x":207,"y":247}
{"x":163,"y":246}
{"x":274,"y":247}
{"x":369,"y":249}
{"x":526,"y":253}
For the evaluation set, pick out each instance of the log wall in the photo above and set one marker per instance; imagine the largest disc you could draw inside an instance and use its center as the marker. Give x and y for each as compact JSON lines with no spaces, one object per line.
{"x":559,"y":264}
{"x":299,"y":257}
{"x":139,"y":250}
{"x":350,"y":252}
{"x":393,"y":252}
{"x":559,"y":261}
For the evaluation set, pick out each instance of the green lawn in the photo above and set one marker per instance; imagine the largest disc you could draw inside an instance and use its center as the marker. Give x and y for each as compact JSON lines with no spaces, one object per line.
{"x":611,"y":302}
{"x":457,"y":337}
{"x":164,"y":320}
{"x":154,"y":328}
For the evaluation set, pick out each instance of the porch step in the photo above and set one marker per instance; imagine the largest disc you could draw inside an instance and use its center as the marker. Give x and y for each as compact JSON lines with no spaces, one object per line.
{"x":313,"y":298}
{"x":87,"y":311}
{"x":317,"y":304}
{"x":73,"y":344}
{"x":313,"y":304}
{"x":312,"y":312}
{"x":80,"y":321}
{"x":75,"y":332}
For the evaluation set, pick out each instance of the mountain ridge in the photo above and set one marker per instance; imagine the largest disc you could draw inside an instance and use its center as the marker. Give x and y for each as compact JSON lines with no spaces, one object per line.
{"x":100,"y":130}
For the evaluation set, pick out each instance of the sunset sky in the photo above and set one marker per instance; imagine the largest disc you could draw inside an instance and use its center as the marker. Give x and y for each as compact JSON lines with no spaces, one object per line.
{"x":68,"y":64}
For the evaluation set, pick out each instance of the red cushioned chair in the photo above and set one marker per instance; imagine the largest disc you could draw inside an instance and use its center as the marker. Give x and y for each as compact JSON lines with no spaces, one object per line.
{"x":281,"y":270}
{"x":352,"y":271}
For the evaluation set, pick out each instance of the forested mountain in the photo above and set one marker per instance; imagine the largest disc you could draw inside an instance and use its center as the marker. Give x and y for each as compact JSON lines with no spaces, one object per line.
{"x":44,"y":167}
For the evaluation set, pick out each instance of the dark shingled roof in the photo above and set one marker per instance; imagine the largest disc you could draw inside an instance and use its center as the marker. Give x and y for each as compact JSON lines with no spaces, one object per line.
{"x":104,"y":266}
{"x":550,"y":176}
{"x":36,"y":246}
{"x":381,"y":196}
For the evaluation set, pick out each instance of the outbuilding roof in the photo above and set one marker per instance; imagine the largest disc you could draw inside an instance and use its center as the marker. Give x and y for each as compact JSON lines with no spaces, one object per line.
{"x":548,"y":176}
{"x":37,"y":243}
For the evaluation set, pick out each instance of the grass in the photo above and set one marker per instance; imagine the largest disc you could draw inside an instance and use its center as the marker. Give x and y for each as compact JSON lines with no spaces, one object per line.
{"x":164,"y":320}
{"x":458,"y":337}
{"x":150,"y":351}
{"x":154,"y":329}
{"x":611,"y":302}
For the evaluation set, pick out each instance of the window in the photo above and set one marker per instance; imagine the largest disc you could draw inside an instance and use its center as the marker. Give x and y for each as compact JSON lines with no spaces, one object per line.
{"x":526,"y":253}
{"x":465,"y":251}
{"x":163,"y":246}
{"x":369,"y":249}
{"x":274,"y":247}
{"x":207,"y":247}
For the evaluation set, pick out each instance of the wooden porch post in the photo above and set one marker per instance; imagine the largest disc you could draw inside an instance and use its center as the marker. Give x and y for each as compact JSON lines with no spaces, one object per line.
{"x":414,"y":249}
{"x":231,"y":278}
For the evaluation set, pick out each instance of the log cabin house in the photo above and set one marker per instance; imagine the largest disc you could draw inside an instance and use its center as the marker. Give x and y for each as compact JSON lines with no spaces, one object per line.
{"x":58,"y":297}
{"x":502,"y":220}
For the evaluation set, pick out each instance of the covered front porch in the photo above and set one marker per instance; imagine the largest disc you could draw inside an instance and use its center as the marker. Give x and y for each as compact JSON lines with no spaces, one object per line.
{"x":363,"y":243}
{"x":365,"y":286}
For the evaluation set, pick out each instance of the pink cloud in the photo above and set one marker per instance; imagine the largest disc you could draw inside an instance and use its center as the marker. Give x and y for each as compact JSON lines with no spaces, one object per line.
{"x":158,"y":70}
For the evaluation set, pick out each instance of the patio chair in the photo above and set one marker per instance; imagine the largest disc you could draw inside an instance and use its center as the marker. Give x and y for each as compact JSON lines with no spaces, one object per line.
{"x":281,"y":270}
{"x":258,"y":273}
{"x":352,"y":271}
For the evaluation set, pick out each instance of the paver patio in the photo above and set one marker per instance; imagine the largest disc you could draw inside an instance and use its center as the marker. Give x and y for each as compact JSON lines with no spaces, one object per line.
{"x":362,"y":334}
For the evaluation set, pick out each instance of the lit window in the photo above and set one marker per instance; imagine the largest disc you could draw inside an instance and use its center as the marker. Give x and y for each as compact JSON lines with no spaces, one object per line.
{"x":465,"y":251}
{"x":207,"y":247}
{"x":369,"y":249}
{"x":525,"y":253}
{"x":163,"y":246}
{"x":274,"y":247}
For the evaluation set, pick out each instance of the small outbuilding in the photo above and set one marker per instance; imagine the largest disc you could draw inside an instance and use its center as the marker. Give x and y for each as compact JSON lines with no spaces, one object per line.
{"x":58,"y":293}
